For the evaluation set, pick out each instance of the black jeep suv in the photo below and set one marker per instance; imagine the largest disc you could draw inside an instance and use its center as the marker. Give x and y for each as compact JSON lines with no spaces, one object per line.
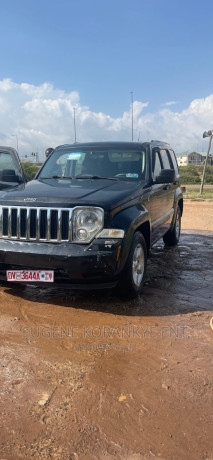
{"x":91,"y":215}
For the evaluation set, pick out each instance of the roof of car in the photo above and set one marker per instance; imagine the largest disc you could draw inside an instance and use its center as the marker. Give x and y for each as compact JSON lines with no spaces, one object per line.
{"x":117,"y":144}
{"x":8,"y":150}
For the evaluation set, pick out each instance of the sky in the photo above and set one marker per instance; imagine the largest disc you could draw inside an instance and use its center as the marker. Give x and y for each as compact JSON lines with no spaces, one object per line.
{"x":57,"y":55}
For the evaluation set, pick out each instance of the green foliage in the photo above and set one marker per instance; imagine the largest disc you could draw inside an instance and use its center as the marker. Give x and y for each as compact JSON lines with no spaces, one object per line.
{"x":192,"y":174}
{"x":30,"y":169}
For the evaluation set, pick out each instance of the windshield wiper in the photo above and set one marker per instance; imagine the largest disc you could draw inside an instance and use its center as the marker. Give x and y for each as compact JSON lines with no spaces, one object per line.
{"x":83,"y":176}
{"x":88,"y":176}
{"x":50,"y":177}
{"x":56,"y":177}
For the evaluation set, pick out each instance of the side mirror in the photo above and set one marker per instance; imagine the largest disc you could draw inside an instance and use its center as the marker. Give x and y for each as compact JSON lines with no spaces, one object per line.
{"x":9,"y":175}
{"x":167,"y":176}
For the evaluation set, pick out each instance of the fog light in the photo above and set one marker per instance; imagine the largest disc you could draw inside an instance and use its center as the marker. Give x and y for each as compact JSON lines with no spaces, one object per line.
{"x":111,"y":233}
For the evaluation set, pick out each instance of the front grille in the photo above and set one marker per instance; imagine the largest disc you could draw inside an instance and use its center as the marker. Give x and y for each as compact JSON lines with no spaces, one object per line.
{"x":35,"y":224}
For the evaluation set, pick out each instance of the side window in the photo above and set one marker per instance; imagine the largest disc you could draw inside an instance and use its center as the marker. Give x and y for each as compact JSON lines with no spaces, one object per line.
{"x":8,"y":161}
{"x":174,"y":161}
{"x":156,"y":163}
{"x":165,"y":159}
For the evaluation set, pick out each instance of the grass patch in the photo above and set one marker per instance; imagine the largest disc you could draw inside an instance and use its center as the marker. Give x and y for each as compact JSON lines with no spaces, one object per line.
{"x":194,"y":195}
{"x":192,"y":174}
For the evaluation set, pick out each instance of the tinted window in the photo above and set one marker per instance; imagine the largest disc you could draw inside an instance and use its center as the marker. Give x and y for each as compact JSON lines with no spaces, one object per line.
{"x":156,"y":163}
{"x":9,"y":164}
{"x":165,"y":159}
{"x":174,"y":161}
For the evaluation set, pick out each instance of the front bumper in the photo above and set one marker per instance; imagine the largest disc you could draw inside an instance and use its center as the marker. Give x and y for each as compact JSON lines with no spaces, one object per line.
{"x":94,"y":265}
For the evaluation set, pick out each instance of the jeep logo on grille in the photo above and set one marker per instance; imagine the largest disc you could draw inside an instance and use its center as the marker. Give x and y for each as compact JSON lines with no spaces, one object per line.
{"x":30,"y":199}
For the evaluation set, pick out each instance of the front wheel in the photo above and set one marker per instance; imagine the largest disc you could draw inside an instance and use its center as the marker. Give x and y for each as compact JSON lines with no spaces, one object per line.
{"x":171,"y":238}
{"x":131,"y":282}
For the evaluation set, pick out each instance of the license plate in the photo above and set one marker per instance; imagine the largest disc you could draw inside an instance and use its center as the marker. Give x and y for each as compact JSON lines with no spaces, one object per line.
{"x":41,"y":276}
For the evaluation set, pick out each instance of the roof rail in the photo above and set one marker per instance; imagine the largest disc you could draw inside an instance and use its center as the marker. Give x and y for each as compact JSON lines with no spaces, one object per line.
{"x":161,"y":142}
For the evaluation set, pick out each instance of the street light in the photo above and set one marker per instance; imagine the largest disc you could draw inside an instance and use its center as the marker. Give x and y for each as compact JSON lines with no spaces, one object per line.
{"x":210,"y":135}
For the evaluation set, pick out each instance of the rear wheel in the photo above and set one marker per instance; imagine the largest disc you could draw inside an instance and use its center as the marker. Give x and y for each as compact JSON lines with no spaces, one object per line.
{"x":132,"y":279}
{"x":171,"y":238}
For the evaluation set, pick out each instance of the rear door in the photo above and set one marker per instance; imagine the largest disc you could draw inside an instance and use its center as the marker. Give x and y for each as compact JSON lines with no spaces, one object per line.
{"x":162,"y":195}
{"x":170,"y":188}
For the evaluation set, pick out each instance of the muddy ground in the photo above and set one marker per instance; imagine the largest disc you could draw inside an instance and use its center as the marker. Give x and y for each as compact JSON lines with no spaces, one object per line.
{"x":86,"y":376}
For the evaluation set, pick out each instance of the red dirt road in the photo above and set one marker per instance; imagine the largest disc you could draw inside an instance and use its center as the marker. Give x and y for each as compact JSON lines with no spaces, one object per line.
{"x":198,"y":215}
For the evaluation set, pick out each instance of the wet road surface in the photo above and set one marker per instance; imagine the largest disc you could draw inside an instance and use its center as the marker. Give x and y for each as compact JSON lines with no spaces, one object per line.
{"x":86,"y":376}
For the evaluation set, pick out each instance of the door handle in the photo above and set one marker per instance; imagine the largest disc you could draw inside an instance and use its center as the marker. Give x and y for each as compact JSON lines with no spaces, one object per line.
{"x":166,"y":187}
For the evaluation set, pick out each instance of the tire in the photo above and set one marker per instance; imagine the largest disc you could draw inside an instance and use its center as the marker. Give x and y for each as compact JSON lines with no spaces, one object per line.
{"x":172,"y":237}
{"x":132,"y":279}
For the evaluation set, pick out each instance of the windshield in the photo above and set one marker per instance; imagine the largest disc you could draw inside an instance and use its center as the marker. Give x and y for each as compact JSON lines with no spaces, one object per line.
{"x":107,"y":163}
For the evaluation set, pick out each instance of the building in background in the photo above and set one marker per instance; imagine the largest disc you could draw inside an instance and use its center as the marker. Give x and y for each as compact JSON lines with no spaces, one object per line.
{"x":190,"y":158}
{"x":193,"y":158}
{"x":182,"y":159}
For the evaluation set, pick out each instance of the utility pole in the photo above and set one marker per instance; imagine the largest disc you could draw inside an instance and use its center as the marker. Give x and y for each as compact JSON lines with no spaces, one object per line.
{"x":210,"y":135}
{"x":132,"y":113}
{"x":74,"y":124}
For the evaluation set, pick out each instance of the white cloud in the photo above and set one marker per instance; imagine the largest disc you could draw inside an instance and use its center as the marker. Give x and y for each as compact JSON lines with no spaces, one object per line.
{"x":169,"y":103}
{"x":42,"y":116}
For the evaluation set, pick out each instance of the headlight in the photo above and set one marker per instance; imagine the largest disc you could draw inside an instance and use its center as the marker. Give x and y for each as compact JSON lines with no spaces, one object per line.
{"x":87,"y":222}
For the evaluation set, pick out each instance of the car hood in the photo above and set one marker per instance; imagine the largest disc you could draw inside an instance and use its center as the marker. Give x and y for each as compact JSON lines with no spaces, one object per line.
{"x":68,"y":193}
